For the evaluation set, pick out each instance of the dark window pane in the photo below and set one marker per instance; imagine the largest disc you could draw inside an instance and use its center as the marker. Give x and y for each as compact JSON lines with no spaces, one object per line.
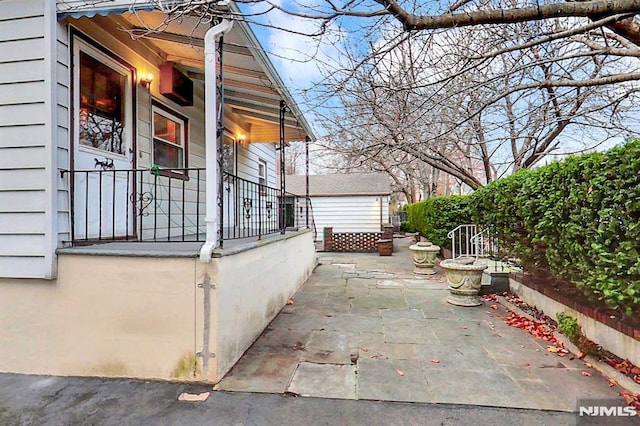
{"x":101,"y":105}
{"x":166,"y":154}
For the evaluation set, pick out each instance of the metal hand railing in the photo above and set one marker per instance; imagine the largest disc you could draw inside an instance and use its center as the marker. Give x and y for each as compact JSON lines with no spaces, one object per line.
{"x":159,"y":204}
{"x":460,"y":238}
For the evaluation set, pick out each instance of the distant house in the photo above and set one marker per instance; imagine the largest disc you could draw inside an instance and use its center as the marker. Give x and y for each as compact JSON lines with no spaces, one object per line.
{"x":355,"y":202}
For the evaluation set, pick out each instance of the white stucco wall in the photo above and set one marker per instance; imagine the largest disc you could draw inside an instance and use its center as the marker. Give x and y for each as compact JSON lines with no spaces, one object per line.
{"x":142,"y":316}
{"x":252,"y":288}
{"x":103,"y":316}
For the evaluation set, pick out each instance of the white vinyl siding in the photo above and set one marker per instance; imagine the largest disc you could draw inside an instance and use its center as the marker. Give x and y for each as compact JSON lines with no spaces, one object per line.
{"x":249,"y":157}
{"x":27,"y":194}
{"x":62,"y":91}
{"x":350,"y":213}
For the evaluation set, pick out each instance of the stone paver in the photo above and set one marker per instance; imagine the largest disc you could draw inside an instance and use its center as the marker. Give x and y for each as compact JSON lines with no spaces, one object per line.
{"x":364,"y":327}
{"x":392,"y":380}
{"x":325,"y":381}
{"x":261,"y":372}
{"x":331,"y":347}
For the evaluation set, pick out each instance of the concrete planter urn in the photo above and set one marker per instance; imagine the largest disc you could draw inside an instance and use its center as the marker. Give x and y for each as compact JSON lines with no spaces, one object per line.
{"x":424,"y":257}
{"x":464,"y":276}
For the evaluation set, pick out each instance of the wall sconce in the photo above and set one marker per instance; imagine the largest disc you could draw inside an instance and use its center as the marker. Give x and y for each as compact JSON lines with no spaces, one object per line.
{"x":145,"y":80}
{"x":242,"y":138}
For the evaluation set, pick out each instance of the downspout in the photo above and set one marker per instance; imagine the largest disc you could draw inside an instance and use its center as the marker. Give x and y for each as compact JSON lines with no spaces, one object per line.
{"x":211,"y":135}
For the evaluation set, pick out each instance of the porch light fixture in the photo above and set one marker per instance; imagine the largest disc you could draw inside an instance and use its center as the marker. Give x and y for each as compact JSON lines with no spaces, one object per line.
{"x":242,"y":138}
{"x":145,"y":80}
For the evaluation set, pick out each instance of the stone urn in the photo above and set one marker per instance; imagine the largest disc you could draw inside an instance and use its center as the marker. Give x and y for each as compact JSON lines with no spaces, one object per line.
{"x":424,"y":257}
{"x":464,"y":276}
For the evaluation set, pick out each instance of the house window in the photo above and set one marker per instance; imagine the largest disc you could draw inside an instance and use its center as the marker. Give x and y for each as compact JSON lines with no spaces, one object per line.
{"x":169,"y":139}
{"x":102,"y":106}
{"x":262,"y":172}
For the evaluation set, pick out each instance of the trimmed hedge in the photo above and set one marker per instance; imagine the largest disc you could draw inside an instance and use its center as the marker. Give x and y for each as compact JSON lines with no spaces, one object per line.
{"x":578,"y":218}
{"x":436,"y":216}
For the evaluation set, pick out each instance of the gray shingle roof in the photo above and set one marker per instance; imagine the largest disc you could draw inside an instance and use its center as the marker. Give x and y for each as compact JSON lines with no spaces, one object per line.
{"x":340,"y":184}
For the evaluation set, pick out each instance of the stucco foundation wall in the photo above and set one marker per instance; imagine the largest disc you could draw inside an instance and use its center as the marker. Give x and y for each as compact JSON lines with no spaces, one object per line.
{"x":620,"y":344}
{"x":105,"y":316}
{"x":253,"y":286}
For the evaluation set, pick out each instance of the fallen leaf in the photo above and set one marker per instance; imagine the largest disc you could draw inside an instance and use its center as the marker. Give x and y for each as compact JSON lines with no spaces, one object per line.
{"x":522,"y":346}
{"x":612,"y":383}
{"x":400,"y":372}
{"x":527,"y":364}
{"x":290,"y":301}
{"x":627,"y":397}
{"x":494,"y":307}
{"x":586,"y":373}
{"x":580,"y":355}
{"x":586,"y":364}
{"x":435,"y":361}
{"x":192,"y":397}
{"x":464,"y":327}
{"x":553,"y":349}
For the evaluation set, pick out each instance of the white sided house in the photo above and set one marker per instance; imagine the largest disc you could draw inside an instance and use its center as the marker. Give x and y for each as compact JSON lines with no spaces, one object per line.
{"x":348,"y":203}
{"x":143,"y":227}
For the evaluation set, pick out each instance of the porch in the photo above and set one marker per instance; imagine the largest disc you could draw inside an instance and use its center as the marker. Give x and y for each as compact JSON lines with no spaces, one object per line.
{"x":161,"y":205}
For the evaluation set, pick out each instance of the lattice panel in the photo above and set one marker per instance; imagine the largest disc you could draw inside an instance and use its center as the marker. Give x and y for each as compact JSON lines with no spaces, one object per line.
{"x":361,"y":242}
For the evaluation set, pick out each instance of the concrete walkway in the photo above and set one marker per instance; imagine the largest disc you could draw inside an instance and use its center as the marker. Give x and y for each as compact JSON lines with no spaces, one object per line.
{"x":364,"y":327}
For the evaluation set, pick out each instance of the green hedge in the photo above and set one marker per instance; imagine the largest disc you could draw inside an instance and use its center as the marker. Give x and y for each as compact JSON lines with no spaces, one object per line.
{"x":578,"y":218}
{"x":436,"y":216}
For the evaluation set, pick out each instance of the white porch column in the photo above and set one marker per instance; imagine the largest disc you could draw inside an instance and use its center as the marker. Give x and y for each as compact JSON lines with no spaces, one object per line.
{"x":211,"y":137}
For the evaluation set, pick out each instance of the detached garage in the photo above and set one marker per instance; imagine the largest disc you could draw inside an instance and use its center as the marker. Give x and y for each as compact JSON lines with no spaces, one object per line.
{"x":348,"y":203}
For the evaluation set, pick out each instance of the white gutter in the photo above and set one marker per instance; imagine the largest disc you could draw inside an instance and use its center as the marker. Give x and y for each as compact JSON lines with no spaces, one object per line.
{"x":211,"y":135}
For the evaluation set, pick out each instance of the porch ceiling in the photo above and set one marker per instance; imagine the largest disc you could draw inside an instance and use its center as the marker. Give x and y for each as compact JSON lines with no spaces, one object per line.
{"x":253,"y":89}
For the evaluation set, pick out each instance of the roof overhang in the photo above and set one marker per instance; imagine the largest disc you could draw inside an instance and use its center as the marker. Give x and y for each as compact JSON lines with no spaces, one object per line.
{"x":253,"y":90}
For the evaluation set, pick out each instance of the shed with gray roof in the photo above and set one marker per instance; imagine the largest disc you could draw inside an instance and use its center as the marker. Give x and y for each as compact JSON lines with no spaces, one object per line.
{"x":353,"y":202}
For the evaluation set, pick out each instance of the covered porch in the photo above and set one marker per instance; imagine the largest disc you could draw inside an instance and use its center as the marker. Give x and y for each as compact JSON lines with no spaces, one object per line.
{"x":177,"y":242}
{"x":207,"y":76}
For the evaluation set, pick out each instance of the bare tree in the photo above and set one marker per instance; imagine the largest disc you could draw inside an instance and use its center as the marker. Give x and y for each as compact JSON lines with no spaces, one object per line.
{"x":472,"y":88}
{"x":476,"y":109}
{"x":294,"y":159}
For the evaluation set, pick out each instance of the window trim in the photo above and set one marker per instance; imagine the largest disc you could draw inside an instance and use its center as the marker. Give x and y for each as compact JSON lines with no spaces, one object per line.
{"x":266,"y":172}
{"x":80,"y":41}
{"x":171,"y":113}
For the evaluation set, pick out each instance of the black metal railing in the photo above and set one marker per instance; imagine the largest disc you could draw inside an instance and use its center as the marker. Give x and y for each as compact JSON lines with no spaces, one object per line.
{"x":161,"y":205}
{"x":249,"y":209}
{"x":153,"y":204}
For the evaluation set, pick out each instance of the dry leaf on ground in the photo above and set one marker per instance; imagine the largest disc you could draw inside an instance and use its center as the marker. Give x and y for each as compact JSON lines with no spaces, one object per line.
{"x":554,"y":349}
{"x":585,"y":373}
{"x":612,"y":383}
{"x":400,"y":372}
{"x":435,"y":361}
